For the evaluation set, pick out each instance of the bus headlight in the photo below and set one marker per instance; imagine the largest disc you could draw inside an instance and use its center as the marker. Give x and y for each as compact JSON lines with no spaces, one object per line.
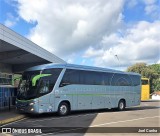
{"x":32,"y":103}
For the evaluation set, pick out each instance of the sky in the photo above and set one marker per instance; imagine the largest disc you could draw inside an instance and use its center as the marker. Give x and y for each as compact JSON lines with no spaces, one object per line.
{"x":104,"y":33}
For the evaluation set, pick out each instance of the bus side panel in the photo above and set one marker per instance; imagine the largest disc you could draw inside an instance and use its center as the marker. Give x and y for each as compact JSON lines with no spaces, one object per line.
{"x":128,"y":93}
{"x":113,"y":96}
{"x":99,"y":97}
{"x":108,"y":98}
{"x":137,"y":95}
{"x":69,"y":93}
{"x":44,"y":104}
{"x":131,"y":97}
{"x":84,"y":94}
{"x":63,"y":94}
{"x":120,"y":92}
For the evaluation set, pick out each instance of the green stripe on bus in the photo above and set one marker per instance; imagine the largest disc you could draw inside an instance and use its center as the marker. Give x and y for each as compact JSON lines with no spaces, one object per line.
{"x":93,"y":94}
{"x":97,"y":94}
{"x":88,"y":94}
{"x":37,"y":77}
{"x":24,"y":100}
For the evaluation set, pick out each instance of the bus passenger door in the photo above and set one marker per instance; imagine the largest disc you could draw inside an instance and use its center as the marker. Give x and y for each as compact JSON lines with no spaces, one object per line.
{"x":44,"y":93}
{"x":44,"y":104}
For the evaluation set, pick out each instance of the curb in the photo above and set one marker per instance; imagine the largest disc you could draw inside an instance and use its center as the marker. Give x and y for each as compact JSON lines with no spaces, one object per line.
{"x":2,"y":122}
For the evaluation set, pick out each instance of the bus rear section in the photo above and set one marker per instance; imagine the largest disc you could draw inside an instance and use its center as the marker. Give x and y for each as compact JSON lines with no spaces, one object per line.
{"x":145,"y":89}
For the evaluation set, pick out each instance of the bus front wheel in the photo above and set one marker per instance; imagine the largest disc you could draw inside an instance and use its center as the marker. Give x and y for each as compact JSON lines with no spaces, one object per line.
{"x":121,"y":105}
{"x":63,"y":109}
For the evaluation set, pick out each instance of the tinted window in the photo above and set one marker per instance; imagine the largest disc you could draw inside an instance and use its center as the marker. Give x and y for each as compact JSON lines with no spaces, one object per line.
{"x":86,"y":77}
{"x":70,"y":77}
{"x":37,"y":83}
{"x":49,"y":81}
{"x":96,"y":78}
{"x":107,"y":78}
{"x":144,"y":82}
{"x":121,"y":80}
{"x":28,"y":75}
{"x":135,"y":80}
{"x":90,"y":78}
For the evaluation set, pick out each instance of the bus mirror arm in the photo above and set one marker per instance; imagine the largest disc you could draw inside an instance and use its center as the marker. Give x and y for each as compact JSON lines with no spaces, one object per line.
{"x":64,"y":84}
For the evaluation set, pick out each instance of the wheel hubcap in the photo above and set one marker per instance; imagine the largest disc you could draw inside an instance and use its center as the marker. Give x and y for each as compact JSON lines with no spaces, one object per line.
{"x":63,"y":109}
{"x":121,"y":105}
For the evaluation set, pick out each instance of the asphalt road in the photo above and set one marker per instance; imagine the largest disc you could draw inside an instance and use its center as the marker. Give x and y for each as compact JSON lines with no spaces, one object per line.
{"x":100,"y":121}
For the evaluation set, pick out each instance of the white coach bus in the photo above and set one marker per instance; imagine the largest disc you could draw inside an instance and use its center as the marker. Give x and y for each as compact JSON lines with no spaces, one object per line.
{"x":66,"y":87}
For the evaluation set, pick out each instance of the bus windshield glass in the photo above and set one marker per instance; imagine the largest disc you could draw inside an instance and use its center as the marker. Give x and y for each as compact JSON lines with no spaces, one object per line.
{"x":37,"y":83}
{"x":144,"y":82}
{"x":26,"y":90}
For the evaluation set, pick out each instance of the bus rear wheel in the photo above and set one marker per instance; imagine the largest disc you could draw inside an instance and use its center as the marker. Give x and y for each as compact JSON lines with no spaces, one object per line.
{"x":121,"y":105}
{"x":63,"y":109}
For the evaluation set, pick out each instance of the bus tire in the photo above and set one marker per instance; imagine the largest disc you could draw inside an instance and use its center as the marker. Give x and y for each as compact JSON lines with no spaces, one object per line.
{"x":121,"y":105}
{"x":63,"y":109}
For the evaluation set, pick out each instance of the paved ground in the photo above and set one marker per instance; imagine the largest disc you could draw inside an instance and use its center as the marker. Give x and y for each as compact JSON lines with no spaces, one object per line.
{"x":7,"y":116}
{"x":131,"y":120}
{"x":6,"y":112}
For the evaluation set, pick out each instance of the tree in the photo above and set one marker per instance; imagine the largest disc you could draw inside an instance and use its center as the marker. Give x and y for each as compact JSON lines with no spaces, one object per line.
{"x":156,"y":80}
{"x":138,"y":68}
{"x":156,"y":84}
{"x":152,"y":72}
{"x":156,"y":68}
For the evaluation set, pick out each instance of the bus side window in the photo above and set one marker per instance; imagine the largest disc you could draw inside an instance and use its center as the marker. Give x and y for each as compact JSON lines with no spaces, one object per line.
{"x":70,"y":77}
{"x":53,"y":78}
{"x":107,"y":78}
{"x":135,"y":80}
{"x":121,"y":80}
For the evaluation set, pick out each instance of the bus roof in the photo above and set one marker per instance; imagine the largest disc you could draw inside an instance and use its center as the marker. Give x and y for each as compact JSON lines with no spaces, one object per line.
{"x":144,"y":78}
{"x":80,"y":67}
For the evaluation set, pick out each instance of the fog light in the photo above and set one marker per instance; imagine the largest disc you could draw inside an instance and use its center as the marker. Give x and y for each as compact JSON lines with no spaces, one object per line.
{"x":32,"y":109}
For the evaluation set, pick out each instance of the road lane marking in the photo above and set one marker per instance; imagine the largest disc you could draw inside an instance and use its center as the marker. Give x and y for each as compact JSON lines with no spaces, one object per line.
{"x":124,"y":121}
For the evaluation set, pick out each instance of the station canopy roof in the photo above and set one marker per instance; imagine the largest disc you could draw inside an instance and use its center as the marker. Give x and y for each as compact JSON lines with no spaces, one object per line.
{"x":20,"y":53}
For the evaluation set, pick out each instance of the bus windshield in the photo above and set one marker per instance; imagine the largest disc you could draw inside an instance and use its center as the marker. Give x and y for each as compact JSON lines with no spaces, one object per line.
{"x":144,"y":82}
{"x":37,"y":83}
{"x":26,"y":90}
